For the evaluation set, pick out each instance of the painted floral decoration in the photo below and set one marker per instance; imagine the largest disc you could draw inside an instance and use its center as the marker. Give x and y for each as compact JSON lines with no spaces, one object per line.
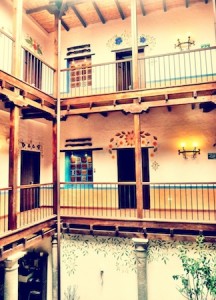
{"x":32,"y":43}
{"x":124,"y":138}
{"x":118,"y":40}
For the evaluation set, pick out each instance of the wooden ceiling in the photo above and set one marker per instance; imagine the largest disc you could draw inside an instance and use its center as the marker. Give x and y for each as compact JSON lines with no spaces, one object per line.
{"x":75,"y":13}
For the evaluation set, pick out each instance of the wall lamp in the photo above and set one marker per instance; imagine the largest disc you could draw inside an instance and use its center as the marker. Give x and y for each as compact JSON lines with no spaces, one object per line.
{"x":185,"y":152}
{"x":185,"y":45}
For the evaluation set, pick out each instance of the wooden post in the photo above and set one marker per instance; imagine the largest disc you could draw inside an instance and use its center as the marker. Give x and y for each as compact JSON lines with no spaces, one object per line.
{"x":135,"y":79}
{"x":13,"y":167}
{"x":55,"y":175}
{"x":17,"y":34}
{"x":137,"y":138}
{"x":138,"y":166}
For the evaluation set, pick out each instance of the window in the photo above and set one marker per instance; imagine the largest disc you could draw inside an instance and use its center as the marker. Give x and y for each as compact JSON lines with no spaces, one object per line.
{"x":81,"y":72}
{"x":79,"y":166}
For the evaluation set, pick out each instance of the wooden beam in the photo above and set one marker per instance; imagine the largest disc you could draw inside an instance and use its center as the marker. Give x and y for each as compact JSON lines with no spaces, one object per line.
{"x":36,"y":9}
{"x":187,"y":3}
{"x":142,"y":8}
{"x":138,"y":165}
{"x":120,"y":9}
{"x":181,"y":91}
{"x":164,"y":6}
{"x":79,"y":16}
{"x":99,"y":12}
{"x":13,"y":167}
{"x":143,"y":106}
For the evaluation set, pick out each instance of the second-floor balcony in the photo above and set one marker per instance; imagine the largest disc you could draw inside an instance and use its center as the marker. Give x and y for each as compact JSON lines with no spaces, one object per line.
{"x":113,"y":204}
{"x":159,"y":71}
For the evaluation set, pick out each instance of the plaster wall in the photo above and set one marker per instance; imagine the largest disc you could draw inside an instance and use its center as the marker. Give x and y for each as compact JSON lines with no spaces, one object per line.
{"x":161,"y":29}
{"x":84,"y":257}
{"x":30,"y":132}
{"x":170,"y":128}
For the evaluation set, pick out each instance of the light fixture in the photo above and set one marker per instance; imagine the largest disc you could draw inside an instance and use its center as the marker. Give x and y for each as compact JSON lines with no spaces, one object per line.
{"x":185,"y":152}
{"x":185,"y":45}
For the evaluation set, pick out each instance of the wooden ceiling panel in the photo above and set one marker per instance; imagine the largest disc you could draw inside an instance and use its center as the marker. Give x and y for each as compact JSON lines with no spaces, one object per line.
{"x":87,"y":12}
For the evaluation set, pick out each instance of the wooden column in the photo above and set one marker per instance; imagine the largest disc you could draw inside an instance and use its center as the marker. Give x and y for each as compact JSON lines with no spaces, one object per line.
{"x":137,"y":127}
{"x":55,"y":169}
{"x":138,"y":166}
{"x":13,"y":167}
{"x":135,"y":79}
{"x":17,"y":34}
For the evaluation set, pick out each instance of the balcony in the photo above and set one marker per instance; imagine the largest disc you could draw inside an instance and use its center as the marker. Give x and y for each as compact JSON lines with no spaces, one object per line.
{"x":169,"y":208}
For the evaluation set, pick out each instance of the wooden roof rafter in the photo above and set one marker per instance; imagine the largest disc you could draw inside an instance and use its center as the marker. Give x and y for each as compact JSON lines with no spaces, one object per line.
{"x":100,"y":15}
{"x":120,"y":9}
{"x":142,"y":8}
{"x":78,"y":15}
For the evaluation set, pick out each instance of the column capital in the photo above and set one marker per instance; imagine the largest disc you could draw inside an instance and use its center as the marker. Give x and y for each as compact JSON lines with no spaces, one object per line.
{"x":141,"y":245}
{"x":12,"y":260}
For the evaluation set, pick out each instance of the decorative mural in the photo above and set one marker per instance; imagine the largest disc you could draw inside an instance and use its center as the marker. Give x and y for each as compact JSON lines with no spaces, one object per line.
{"x":29,"y":145}
{"x":86,"y":253}
{"x":126,"y":138}
{"x":123,"y":40}
{"x":119,"y":249}
{"x":34,"y":45}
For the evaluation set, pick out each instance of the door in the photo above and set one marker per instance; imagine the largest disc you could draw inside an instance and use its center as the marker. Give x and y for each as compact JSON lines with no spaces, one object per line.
{"x":126,"y":173}
{"x":30,"y":174}
{"x":123,"y":71}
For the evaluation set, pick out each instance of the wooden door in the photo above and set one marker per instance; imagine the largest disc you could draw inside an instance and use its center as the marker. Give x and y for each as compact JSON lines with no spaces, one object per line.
{"x":126,"y":173}
{"x":30,"y":174}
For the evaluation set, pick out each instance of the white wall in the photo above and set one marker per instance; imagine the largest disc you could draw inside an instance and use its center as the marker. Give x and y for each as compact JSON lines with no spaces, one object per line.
{"x":162,"y":30}
{"x":182,"y":124}
{"x":83,"y":258}
{"x":33,"y":132}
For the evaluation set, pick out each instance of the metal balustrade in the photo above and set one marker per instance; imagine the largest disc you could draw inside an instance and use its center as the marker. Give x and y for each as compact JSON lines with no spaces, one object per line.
{"x":167,"y":201}
{"x":166,"y":70}
{"x":6,"y":52}
{"x":4,"y":192}
{"x":35,"y":203}
{"x":174,"y":202}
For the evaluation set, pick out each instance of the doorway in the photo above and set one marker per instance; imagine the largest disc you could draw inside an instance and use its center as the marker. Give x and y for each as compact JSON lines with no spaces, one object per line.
{"x":30,"y":174}
{"x":123,"y":70}
{"x":126,"y":173}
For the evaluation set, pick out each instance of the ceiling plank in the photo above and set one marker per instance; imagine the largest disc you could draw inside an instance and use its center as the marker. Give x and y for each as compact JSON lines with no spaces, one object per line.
{"x":142,"y":8}
{"x":164,"y":6}
{"x":82,"y":21}
{"x":99,"y":12}
{"x":120,"y":9}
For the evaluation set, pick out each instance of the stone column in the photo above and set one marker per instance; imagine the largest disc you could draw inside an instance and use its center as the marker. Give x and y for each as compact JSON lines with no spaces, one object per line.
{"x":54,"y":267}
{"x":141,"y":247}
{"x":11,"y":276}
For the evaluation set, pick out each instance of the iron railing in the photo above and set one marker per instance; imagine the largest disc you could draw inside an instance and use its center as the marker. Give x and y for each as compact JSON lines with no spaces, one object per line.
{"x":34,"y":71}
{"x":34,"y":204}
{"x":187,"y":202}
{"x":167,"y":201}
{"x":4,"y":192}
{"x":173,"y":69}
{"x":6,"y":52}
